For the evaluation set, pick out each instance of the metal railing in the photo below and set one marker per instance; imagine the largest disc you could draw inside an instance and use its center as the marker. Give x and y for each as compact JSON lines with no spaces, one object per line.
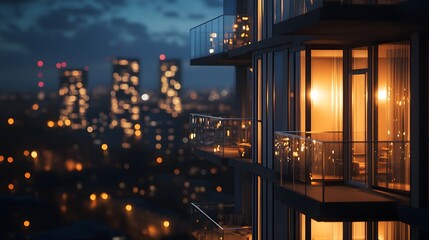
{"x":286,"y":9}
{"x":306,"y":162}
{"x":222,"y":136}
{"x":218,"y":221}
{"x":221,"y":34}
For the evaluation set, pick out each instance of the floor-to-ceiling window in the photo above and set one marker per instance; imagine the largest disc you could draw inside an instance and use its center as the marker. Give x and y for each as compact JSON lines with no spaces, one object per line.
{"x":325,"y":108}
{"x":392,"y":157}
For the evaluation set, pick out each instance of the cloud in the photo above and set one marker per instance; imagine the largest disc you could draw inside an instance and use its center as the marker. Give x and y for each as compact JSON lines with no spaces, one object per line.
{"x":213,"y":3}
{"x":196,"y":16}
{"x":108,"y":4}
{"x":14,"y":2}
{"x":171,"y":14}
{"x":68,"y":18}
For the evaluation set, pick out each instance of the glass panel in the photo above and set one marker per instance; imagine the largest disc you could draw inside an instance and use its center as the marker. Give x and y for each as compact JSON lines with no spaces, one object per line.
{"x":301,"y":88}
{"x":302,"y":221}
{"x":393,"y":231}
{"x":326,"y":230}
{"x":358,"y":231}
{"x":280,"y":90}
{"x":392,"y":165}
{"x":326,"y":93}
{"x":360,"y":58}
{"x":358,"y":122}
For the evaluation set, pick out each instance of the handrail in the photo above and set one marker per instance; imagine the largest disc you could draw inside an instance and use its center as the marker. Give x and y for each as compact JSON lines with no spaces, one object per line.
{"x":211,"y":20}
{"x":207,"y":216}
{"x":285,"y":133}
{"x":218,"y":118}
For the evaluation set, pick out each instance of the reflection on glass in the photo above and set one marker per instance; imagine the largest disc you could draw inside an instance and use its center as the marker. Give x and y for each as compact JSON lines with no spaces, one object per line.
{"x":393,"y":117}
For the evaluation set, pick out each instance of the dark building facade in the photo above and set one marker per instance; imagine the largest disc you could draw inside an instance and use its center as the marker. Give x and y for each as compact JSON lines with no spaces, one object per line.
{"x":339,"y":118}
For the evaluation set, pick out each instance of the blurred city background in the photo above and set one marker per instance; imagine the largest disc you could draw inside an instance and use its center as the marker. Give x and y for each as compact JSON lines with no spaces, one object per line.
{"x":95,"y":102}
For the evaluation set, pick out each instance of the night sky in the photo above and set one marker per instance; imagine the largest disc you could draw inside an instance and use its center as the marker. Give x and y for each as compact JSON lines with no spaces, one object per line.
{"x":89,"y":33}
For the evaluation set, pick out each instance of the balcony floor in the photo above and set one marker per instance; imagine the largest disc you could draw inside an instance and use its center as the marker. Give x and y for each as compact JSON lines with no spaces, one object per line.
{"x":340,"y":203}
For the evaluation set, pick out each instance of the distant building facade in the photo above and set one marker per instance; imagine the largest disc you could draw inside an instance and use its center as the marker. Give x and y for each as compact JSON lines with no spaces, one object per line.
{"x":73,"y":98}
{"x":171,"y":85}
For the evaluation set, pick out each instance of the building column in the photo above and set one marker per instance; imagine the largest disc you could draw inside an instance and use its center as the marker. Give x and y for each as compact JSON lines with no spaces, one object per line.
{"x":419,"y":120}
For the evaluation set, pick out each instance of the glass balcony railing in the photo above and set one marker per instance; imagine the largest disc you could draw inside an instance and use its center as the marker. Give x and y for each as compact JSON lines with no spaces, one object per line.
{"x":286,"y":9}
{"x":306,"y":162}
{"x":221,"y":34}
{"x":222,"y":136}
{"x":218,"y":221}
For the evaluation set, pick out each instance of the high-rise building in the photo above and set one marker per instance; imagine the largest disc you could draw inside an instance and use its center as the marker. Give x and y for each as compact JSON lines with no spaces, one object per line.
{"x":339,"y":123}
{"x":74,"y":98}
{"x":171,"y":86}
{"x":125,"y":111}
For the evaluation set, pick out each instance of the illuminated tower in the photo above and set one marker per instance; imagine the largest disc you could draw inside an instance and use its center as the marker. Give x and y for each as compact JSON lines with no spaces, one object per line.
{"x":170,"y":86}
{"x":74,"y":98}
{"x":124,"y":94}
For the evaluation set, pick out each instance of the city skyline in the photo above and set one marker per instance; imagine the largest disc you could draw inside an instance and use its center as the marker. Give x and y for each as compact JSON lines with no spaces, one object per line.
{"x":92,"y":33}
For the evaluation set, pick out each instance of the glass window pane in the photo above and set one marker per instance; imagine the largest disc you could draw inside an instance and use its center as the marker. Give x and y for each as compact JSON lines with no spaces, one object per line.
{"x":393,"y":118}
{"x":326,"y":230}
{"x":360,"y":58}
{"x":393,"y":231}
{"x":358,"y":231}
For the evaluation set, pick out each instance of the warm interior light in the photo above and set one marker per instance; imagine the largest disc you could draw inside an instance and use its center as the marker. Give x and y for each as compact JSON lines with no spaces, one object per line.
{"x":382,"y":94}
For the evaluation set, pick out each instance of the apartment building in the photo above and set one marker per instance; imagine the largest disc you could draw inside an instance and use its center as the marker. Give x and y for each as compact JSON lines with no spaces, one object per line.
{"x":338,"y":126}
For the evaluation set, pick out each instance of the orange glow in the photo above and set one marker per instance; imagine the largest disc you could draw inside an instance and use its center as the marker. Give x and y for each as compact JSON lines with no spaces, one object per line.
{"x":158,"y":146}
{"x":138,"y":133}
{"x":128,"y":207}
{"x":137,"y":126}
{"x":104,"y":196}
{"x":26,"y":223}
{"x":35,"y":107}
{"x":79,"y":167}
{"x":162,"y":57}
{"x":26,"y":153}
{"x":11,"y":186}
{"x":93,"y":197}
{"x":50,"y":124}
{"x":10,"y":159}
{"x":11,"y":121}
{"x":166,"y":224}
{"x":60,"y":123}
{"x":159,"y":160}
{"x":67,"y":122}
{"x":1,"y":158}
{"x":34,"y":154}
{"x":27,"y":175}
{"x":176,"y":171}
{"x":218,"y":189}
{"x":104,"y":147}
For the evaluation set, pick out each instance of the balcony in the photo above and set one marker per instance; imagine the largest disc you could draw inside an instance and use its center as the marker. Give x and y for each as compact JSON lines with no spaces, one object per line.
{"x":224,"y":137}
{"x":220,"y":35}
{"x":343,"y":20}
{"x":312,"y":166}
{"x":293,"y":8}
{"x":218,"y":221}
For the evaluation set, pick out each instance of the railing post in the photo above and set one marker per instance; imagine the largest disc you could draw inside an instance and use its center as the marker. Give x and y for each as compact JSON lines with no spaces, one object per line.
{"x":323,"y":171}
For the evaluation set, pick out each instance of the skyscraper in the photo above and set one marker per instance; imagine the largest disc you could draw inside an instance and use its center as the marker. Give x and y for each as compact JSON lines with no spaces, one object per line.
{"x":170,"y":86}
{"x":125,"y":111}
{"x":74,"y":98}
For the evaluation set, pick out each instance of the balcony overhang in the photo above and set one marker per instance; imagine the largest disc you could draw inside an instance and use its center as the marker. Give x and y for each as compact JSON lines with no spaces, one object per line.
{"x":351,"y":24}
{"x":236,"y":57}
{"x":348,"y":204}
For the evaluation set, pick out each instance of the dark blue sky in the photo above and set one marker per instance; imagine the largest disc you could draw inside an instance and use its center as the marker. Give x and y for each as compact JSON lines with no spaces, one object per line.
{"x":92,"y":32}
